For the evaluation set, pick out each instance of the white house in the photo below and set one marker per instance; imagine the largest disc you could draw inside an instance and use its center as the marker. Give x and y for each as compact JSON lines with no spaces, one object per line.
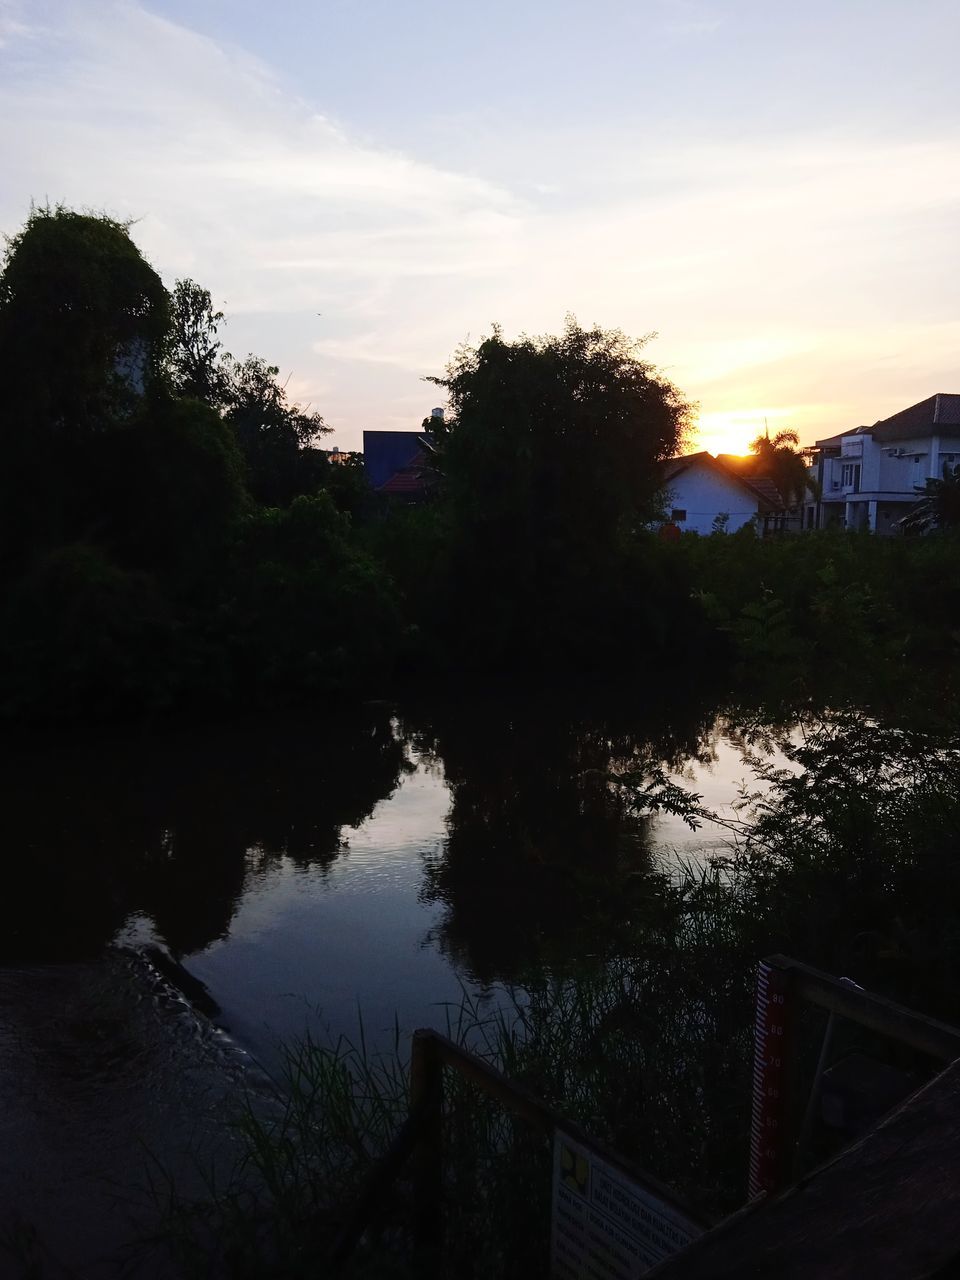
{"x":869,"y":477}
{"x":699,"y":489}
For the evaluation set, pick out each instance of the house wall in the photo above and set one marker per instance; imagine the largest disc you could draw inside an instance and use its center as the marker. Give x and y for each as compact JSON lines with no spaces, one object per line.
{"x":703,"y":495}
{"x":888,"y":513}
{"x":898,"y":475}
{"x":922,"y":460}
{"x":892,"y":477}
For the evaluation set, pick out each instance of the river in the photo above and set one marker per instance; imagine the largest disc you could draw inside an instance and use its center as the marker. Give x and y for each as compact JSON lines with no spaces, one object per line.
{"x":179,"y":902}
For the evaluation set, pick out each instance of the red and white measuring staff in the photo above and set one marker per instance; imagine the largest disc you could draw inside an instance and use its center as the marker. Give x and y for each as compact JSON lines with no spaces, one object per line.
{"x":775,"y":1013}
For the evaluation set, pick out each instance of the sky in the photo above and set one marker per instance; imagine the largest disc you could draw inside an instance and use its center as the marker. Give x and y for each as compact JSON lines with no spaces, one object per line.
{"x":771,"y":188}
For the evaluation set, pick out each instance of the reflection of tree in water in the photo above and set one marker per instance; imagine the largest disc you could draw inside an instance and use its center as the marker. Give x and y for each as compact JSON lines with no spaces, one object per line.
{"x":171,"y":825}
{"x":544,"y":860}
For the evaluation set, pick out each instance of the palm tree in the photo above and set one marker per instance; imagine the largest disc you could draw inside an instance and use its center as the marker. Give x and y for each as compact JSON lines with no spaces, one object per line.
{"x":781,"y":461}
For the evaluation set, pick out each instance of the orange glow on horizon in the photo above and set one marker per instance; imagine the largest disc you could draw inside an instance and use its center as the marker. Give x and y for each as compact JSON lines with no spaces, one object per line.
{"x":733,"y":432}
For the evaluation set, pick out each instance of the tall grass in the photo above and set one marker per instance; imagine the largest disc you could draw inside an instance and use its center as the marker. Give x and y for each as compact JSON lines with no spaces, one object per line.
{"x":849,"y":859}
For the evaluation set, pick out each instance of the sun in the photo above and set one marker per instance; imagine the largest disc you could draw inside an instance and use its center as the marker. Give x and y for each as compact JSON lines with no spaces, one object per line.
{"x":730,"y":432}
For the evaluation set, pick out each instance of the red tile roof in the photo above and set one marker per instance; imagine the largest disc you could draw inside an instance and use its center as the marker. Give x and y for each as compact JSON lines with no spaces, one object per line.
{"x":410,"y":480}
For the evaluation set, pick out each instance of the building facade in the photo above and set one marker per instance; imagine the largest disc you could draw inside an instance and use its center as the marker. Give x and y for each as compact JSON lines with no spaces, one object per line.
{"x":870,"y":477}
{"x":701,"y":494}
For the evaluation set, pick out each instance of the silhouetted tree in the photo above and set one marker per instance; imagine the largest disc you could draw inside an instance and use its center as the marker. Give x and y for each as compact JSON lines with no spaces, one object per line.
{"x":549,"y":468}
{"x":278,"y":440}
{"x":83,"y":321}
{"x":193,"y":359}
{"x":781,"y":461}
{"x":944,"y":497}
{"x":137,"y":569}
{"x":557,"y":437}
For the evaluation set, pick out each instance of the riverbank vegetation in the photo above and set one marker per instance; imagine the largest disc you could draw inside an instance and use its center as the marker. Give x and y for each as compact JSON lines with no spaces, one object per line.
{"x":173,"y":536}
{"x":847,"y":855}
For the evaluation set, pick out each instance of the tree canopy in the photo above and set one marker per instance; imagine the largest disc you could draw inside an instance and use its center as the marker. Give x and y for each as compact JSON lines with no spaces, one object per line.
{"x":549,"y":468}
{"x":193,"y":359}
{"x":278,"y":440}
{"x":83,"y":321}
{"x":139,"y":469}
{"x":83,"y":318}
{"x":557,"y":437}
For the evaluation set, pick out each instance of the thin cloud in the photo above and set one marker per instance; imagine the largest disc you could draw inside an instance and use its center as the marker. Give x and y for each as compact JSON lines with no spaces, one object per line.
{"x":687,"y":18}
{"x":769,"y":267}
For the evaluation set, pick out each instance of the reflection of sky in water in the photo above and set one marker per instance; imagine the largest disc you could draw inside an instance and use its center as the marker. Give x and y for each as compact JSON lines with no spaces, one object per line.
{"x":309,"y":947}
{"x":718,"y":781}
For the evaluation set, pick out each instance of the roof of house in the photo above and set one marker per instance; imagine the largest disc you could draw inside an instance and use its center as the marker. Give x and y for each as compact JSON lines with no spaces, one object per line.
{"x":758,"y":486}
{"x":923,"y":419}
{"x":767,"y":490}
{"x":406,"y":482}
{"x":833,"y":442}
{"x":387,"y":452}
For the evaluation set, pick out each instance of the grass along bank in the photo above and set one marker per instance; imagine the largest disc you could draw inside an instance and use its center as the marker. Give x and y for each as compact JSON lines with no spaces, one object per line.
{"x":847,"y":859}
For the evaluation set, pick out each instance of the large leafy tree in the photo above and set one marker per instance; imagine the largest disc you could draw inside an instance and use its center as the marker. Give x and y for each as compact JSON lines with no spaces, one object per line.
{"x":549,"y":465}
{"x":132,"y":558}
{"x":83,"y":323}
{"x":117,"y":499}
{"x":95,"y":448}
{"x":194,"y":362}
{"x":557,"y":439}
{"x":278,"y":440}
{"x":83,"y":319}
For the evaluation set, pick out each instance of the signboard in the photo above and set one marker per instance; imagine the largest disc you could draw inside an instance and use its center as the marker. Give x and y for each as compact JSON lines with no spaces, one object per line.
{"x":605,"y":1225}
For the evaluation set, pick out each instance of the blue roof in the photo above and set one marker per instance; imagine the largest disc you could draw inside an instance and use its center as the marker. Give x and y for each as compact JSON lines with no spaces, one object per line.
{"x":387,"y":452}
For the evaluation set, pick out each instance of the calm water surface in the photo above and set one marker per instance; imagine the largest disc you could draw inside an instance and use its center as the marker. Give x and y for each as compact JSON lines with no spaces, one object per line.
{"x":311,"y":948}
{"x":304,"y":873}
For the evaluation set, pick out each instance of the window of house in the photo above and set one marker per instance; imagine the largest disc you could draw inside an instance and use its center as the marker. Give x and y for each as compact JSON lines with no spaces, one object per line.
{"x":678,"y":513}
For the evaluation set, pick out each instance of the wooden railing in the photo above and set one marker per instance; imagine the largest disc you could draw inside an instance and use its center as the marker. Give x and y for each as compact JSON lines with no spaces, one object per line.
{"x":421,"y":1136}
{"x":777,"y":1145}
{"x":784,"y":985}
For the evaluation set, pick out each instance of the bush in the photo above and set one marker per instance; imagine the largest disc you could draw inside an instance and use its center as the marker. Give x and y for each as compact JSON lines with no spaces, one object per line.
{"x":304,"y":611}
{"x":82,"y":637}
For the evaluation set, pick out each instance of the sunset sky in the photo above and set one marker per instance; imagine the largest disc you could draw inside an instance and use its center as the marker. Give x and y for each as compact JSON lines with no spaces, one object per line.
{"x":363,"y":184}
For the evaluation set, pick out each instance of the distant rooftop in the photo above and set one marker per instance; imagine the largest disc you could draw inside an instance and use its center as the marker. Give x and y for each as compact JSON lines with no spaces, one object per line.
{"x":760,"y":486}
{"x":387,"y":452}
{"x":927,"y":418}
{"x":941,"y":410}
